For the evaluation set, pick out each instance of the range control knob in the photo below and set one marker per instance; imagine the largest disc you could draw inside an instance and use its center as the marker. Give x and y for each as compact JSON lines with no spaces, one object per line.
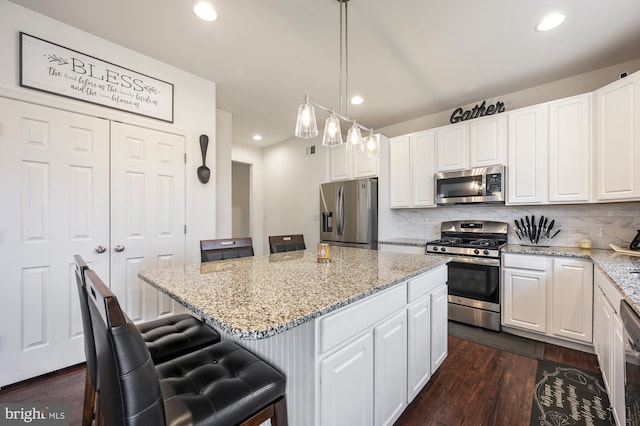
{"x":443,"y":249}
{"x":476,"y":251}
{"x":435,"y":249}
{"x":486,"y":252}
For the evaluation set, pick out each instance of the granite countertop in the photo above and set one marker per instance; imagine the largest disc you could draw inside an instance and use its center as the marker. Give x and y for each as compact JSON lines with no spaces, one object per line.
{"x":622,"y":269}
{"x":257,"y":297}
{"x":405,"y":242}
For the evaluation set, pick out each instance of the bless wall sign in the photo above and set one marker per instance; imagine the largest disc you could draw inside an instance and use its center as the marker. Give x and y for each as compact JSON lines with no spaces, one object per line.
{"x":55,"y":69}
{"x":477,"y":111}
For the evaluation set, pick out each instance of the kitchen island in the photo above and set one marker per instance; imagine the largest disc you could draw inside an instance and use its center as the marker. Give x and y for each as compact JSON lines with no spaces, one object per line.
{"x":325,"y":322}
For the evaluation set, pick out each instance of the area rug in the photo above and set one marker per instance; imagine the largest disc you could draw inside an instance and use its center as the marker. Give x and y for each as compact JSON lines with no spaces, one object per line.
{"x":564,"y":395}
{"x":499,"y":340}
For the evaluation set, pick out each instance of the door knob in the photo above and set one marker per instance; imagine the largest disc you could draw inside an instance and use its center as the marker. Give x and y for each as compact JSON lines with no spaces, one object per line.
{"x":101,"y":249}
{"x":118,"y":248}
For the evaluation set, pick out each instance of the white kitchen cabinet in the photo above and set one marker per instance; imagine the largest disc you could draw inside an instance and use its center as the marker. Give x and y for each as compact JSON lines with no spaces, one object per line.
{"x":418,"y":345}
{"x":552,"y":296}
{"x":439,"y":330}
{"x":400,"y":172}
{"x":608,"y":341}
{"x":346,"y":391}
{"x":570,"y":150}
{"x":488,"y":141}
{"x":572,"y":299}
{"x":524,"y":303}
{"x":474,"y":143}
{"x":452,"y":147}
{"x":344,"y":165}
{"x":411,"y":170}
{"x":390,"y":369}
{"x":374,"y":356}
{"x":527,"y":146}
{"x":618,"y":140}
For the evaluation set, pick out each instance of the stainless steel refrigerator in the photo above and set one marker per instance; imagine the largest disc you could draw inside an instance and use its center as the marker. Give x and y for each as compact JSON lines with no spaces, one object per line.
{"x":349,"y":213}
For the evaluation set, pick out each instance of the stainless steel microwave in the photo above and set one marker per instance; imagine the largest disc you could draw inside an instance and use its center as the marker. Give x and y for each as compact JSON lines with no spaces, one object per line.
{"x":481,"y":185}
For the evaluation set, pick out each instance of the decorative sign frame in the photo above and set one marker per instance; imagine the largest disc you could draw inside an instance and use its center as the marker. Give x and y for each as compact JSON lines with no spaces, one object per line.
{"x":55,"y":69}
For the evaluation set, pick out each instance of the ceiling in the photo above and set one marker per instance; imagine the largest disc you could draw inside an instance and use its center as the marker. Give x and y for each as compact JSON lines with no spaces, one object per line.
{"x":407,"y":58}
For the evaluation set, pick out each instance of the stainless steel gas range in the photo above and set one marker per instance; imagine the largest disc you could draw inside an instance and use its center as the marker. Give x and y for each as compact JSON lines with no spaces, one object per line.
{"x":474,"y":271}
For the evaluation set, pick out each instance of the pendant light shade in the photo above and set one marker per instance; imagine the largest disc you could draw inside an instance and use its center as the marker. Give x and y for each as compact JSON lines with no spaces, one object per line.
{"x":354,"y":139}
{"x":371,"y":146}
{"x":306,"y":123}
{"x":332,"y":134}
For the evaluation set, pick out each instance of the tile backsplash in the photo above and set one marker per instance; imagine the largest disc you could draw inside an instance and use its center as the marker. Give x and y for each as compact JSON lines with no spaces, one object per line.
{"x":603,"y":224}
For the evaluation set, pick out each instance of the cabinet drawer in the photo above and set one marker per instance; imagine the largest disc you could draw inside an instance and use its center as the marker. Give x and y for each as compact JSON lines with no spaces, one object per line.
{"x":608,"y":288}
{"x":345,"y":323}
{"x":426,"y":283}
{"x":535,"y":263}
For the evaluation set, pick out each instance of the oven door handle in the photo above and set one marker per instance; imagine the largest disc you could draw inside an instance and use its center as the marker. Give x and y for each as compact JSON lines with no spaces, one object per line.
{"x":477,"y":261}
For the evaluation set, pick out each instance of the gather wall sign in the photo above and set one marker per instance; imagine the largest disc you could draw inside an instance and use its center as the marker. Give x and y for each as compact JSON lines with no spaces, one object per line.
{"x":481,"y":110}
{"x":52,"y":68}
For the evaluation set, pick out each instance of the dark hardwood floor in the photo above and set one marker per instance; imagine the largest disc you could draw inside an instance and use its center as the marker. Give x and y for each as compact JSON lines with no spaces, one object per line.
{"x":476,"y":385}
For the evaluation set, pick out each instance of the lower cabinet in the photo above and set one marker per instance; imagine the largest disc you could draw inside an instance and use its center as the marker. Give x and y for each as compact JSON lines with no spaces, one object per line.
{"x":608,"y":341}
{"x":390,"y":369}
{"x":346,"y":391}
{"x":375,"y":355}
{"x":548,"y":295}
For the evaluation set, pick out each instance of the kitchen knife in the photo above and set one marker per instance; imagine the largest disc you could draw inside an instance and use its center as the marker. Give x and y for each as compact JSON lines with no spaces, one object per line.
{"x":528,"y":227}
{"x":550,"y":227}
{"x":544,"y":226}
{"x":524,"y":228}
{"x":518,"y":230}
{"x":533,"y":232}
{"x":539,"y":229}
{"x":557,"y":232}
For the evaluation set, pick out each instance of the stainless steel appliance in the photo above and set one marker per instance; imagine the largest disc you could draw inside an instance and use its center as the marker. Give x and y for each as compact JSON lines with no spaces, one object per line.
{"x":481,"y":185}
{"x":474,"y":271}
{"x":349,"y":213}
{"x":631,"y":323}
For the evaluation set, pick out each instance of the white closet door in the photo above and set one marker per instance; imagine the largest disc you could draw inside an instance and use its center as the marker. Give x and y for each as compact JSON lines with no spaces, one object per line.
{"x":54,"y":171}
{"x":147,"y":214}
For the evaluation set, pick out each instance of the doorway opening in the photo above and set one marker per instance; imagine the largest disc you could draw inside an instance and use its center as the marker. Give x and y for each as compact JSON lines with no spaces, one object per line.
{"x":240,"y":199}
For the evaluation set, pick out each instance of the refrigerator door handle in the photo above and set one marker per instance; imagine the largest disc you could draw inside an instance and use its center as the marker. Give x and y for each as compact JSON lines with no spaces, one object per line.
{"x":340,"y":211}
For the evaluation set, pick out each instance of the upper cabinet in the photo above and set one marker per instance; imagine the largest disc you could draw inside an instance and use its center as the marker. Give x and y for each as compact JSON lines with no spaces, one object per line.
{"x":411,"y":170}
{"x":570,"y":150}
{"x":470,"y":144}
{"x":550,"y":152}
{"x":618,"y":140}
{"x":527,"y":168}
{"x":345,"y":165}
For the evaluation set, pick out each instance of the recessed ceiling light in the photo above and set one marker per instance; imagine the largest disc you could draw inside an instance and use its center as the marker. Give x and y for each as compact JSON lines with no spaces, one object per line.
{"x":550,"y":22}
{"x":357,"y":100}
{"x":257,"y":137}
{"x":205,"y":11}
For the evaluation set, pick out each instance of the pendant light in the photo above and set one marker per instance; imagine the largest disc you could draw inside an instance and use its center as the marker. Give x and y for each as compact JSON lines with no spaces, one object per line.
{"x":332,"y":134}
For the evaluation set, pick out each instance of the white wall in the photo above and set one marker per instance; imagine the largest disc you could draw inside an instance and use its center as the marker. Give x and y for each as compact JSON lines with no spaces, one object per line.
{"x":194,"y":100}
{"x":291,"y":183}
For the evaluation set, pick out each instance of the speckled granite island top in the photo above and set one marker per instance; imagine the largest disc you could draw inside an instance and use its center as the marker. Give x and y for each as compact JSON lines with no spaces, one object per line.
{"x":623,"y":270}
{"x":257,"y":297}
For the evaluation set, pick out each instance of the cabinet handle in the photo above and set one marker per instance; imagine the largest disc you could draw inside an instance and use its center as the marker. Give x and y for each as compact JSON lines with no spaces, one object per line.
{"x":118,"y":248}
{"x":101,"y":249}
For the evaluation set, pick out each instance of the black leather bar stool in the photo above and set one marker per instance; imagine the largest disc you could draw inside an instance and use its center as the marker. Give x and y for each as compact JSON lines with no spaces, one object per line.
{"x":282,"y":243}
{"x":225,"y":248}
{"x":222,"y":384}
{"x":165,"y":338}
